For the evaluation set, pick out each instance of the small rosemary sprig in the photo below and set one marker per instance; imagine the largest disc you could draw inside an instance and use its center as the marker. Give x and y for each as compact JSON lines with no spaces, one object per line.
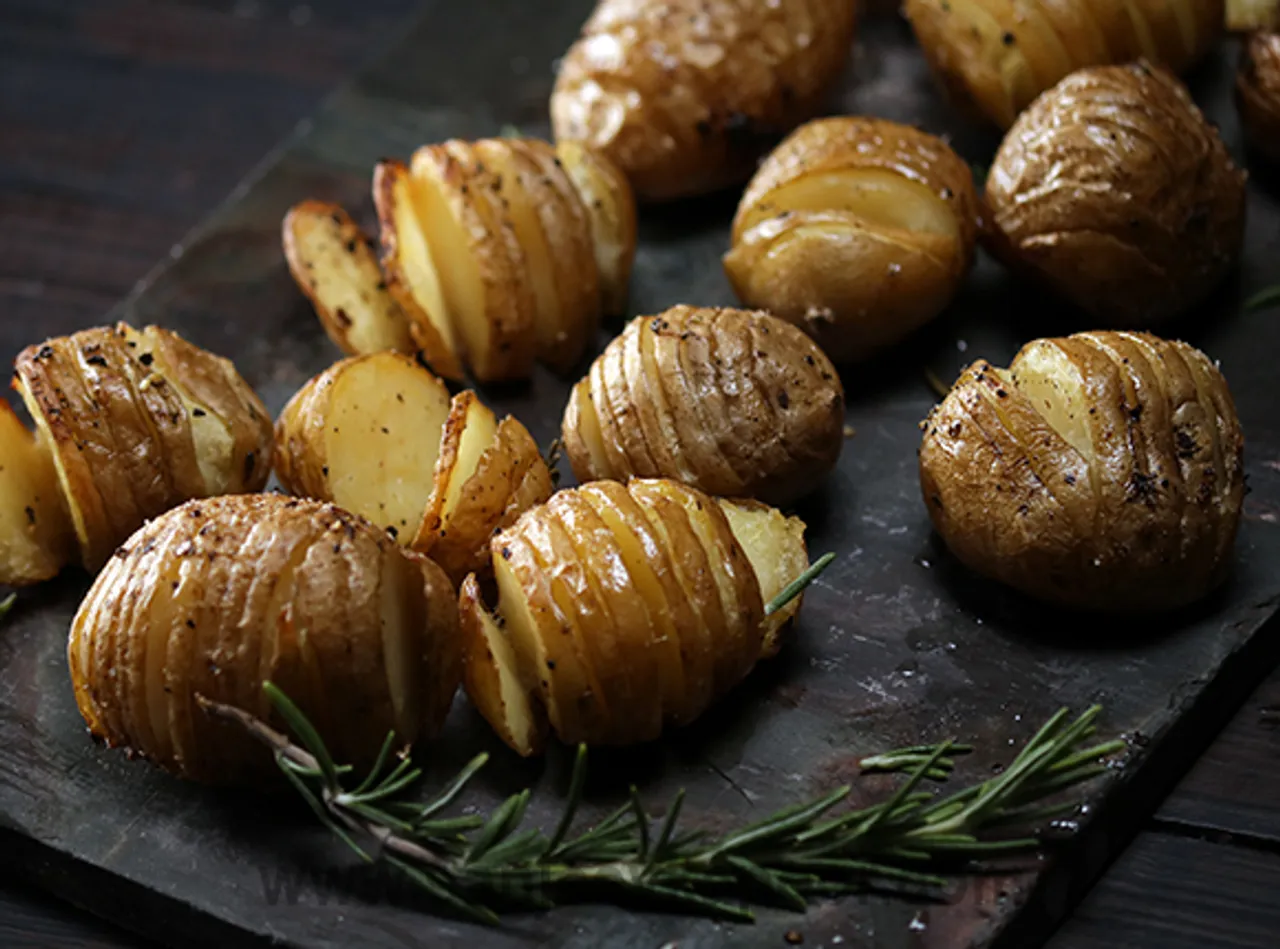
{"x":7,"y":604}
{"x":473,"y":865}
{"x":1264,"y":299}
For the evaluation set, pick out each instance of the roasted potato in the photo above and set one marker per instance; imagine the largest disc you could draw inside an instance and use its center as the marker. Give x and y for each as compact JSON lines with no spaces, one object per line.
{"x":379,"y":436}
{"x":1102,"y":471}
{"x":128,"y":425}
{"x":1247,"y":15}
{"x":1258,"y":93}
{"x":218,"y":596}
{"x":685,"y":95}
{"x":621,"y":609}
{"x":502,"y":251}
{"x":1114,"y":191}
{"x":857,"y":230}
{"x":734,"y":402}
{"x":333,"y":262}
{"x":996,"y":56}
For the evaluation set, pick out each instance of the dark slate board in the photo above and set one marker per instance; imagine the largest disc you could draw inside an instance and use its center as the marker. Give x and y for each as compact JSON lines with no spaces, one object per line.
{"x":897,"y":643}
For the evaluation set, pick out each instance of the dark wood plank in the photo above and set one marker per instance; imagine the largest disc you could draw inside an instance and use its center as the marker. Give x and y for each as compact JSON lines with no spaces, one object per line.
{"x":31,"y":919}
{"x":1232,"y":789}
{"x":1171,"y":892}
{"x":126,"y":121}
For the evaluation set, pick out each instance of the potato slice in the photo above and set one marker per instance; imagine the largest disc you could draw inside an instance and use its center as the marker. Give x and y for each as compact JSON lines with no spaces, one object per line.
{"x":611,"y":205}
{"x":775,"y":546}
{"x":491,"y":675}
{"x":480,"y":262}
{"x":36,"y":538}
{"x":469,"y":429}
{"x":412,"y":276}
{"x":366,"y":435}
{"x":334,"y":265}
{"x":1246,"y":15}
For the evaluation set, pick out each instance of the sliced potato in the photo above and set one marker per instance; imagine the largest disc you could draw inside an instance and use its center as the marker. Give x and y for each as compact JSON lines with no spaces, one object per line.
{"x":1246,"y":15}
{"x":412,"y":276}
{"x":334,"y":265}
{"x":36,"y":538}
{"x":491,"y":675}
{"x":365,"y":435}
{"x":775,"y":547}
{"x":490,"y":306}
{"x":606,"y":194}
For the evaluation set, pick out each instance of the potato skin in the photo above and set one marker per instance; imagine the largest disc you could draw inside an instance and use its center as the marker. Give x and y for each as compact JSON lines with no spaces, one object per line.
{"x":139,"y":422}
{"x":641,"y":609}
{"x":1133,"y":227}
{"x":853,"y":280}
{"x":685,"y":95}
{"x":1140,"y":516}
{"x":996,"y":56}
{"x":736,"y":403}
{"x":1258,"y":92}
{"x":239,"y":590}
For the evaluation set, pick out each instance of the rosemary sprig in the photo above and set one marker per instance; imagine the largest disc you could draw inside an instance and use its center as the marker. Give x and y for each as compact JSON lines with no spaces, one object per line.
{"x":1264,"y":299}
{"x":473,"y":866}
{"x":7,"y":604}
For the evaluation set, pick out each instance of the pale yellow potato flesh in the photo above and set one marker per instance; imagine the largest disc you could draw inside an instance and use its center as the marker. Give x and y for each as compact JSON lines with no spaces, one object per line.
{"x":382,"y":441}
{"x":333,"y":263}
{"x":36,"y":537}
{"x":775,"y":547}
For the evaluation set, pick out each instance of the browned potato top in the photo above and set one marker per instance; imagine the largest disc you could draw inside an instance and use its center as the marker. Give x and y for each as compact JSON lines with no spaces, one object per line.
{"x":1258,"y":92}
{"x":858,"y":230}
{"x":1101,"y":471}
{"x":998,"y":55}
{"x":138,"y":422}
{"x":684,"y":95}
{"x":219,"y":595}
{"x":1114,"y":190}
{"x":735,"y":402}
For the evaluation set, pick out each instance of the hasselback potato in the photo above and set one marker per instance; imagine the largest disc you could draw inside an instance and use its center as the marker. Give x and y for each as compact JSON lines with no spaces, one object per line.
{"x":996,"y":56}
{"x":734,"y":402}
{"x":858,"y":230}
{"x":621,"y":609}
{"x":1102,"y":471}
{"x":1114,"y":191}
{"x":685,"y":95}
{"x":129,"y":424}
{"x":380,"y":436}
{"x":1258,"y":92}
{"x":501,"y":251}
{"x":218,"y":596}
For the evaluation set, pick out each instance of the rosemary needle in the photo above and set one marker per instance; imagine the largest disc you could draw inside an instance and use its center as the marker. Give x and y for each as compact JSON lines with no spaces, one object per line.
{"x":473,"y":866}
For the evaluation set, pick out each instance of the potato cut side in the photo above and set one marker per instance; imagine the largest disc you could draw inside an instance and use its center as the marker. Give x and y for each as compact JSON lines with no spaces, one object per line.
{"x":469,"y":430}
{"x":383,"y":438}
{"x":875,"y":196}
{"x":1052,"y":382}
{"x":607,"y":197}
{"x":334,"y":265}
{"x":775,"y":547}
{"x":582,"y":426}
{"x":411,"y":267}
{"x":404,"y":618}
{"x":36,"y":537}
{"x":493,"y":679}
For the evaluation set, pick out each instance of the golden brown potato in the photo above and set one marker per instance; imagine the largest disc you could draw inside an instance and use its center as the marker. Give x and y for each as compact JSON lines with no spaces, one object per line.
{"x":685,"y":95}
{"x":379,"y":436}
{"x":333,"y":263}
{"x":610,"y":204}
{"x":996,"y":56}
{"x":1258,"y":92}
{"x":734,"y":402}
{"x":1101,"y":471}
{"x":621,"y":609}
{"x":502,"y":251}
{"x":1247,"y":15}
{"x":218,"y":596}
{"x":1114,"y":191}
{"x":36,"y":538}
{"x":130,"y":424}
{"x":856,"y":230}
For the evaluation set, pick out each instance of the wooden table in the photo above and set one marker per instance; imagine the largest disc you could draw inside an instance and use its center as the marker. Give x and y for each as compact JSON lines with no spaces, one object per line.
{"x":123,"y":122}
